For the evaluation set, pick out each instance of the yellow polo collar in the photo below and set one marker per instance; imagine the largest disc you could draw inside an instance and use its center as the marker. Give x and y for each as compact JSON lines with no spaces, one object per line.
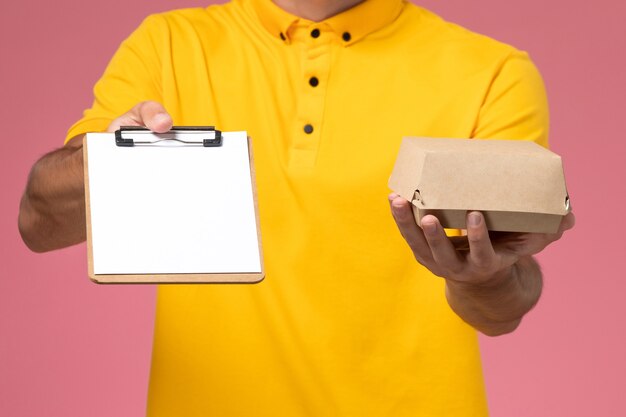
{"x":351,"y":25}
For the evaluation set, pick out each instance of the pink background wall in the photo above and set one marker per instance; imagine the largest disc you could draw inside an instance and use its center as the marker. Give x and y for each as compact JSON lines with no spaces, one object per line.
{"x":72,"y":348}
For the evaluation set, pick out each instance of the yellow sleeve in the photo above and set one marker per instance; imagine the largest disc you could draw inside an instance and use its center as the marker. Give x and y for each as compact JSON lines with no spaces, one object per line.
{"x":132,"y":76}
{"x":515,"y":106}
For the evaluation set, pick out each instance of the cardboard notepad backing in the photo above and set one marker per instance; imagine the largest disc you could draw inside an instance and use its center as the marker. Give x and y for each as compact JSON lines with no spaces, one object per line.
{"x":519,"y":186}
{"x":162,"y":214}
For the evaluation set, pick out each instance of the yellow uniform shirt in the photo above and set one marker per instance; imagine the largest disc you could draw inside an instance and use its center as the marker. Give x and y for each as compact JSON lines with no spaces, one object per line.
{"x":346,"y":322}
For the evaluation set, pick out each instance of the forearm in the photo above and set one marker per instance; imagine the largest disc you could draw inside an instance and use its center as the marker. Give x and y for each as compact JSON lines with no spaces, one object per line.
{"x":497,"y":306}
{"x":52,"y":209}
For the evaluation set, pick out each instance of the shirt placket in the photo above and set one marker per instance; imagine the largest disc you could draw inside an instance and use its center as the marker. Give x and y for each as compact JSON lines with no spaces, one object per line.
{"x":315,"y":42}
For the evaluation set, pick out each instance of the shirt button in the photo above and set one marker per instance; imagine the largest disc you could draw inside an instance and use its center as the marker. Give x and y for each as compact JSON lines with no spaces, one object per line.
{"x":346,"y":36}
{"x":315,"y":33}
{"x":308,"y":129}
{"x":313,"y":81}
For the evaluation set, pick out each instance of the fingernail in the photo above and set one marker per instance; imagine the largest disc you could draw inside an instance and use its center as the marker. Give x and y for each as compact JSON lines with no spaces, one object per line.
{"x":473,"y":219}
{"x":161,"y":118}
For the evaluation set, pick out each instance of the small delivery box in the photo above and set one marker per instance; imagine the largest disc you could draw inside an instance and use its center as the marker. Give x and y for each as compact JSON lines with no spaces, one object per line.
{"x":519,"y":186}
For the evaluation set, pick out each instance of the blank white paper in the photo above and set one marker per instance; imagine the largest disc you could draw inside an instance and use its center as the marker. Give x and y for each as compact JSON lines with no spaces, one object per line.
{"x":172,"y":209}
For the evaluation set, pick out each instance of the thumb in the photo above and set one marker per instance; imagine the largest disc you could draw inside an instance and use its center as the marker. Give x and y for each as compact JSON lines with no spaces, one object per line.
{"x":150,"y":114}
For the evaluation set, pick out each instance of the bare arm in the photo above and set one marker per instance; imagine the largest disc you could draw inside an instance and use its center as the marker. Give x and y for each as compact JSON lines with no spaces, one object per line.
{"x":491,"y":284}
{"x":52,"y":209}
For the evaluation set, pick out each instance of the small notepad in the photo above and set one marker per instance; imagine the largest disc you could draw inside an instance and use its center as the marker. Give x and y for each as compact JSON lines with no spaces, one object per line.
{"x":171,"y":212}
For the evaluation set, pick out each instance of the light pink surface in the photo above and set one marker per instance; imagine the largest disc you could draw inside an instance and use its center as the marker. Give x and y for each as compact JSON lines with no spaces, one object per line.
{"x":71,"y":348}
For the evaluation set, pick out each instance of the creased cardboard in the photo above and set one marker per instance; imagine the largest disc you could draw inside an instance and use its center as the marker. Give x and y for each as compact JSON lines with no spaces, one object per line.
{"x":518,"y":185}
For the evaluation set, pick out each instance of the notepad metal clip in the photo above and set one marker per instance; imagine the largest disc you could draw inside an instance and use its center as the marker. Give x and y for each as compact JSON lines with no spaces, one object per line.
{"x":122,"y":136}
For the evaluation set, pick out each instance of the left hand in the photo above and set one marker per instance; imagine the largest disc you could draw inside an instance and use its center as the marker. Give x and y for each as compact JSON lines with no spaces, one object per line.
{"x":488,"y":257}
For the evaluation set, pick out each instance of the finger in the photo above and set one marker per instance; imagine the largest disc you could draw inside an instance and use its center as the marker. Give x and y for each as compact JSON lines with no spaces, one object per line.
{"x":154,"y":116}
{"x":403,"y":215}
{"x":567,"y":223}
{"x":526,"y":244}
{"x":482,"y":254}
{"x":441,"y":247}
{"x":130,"y":118}
{"x":148,"y":114}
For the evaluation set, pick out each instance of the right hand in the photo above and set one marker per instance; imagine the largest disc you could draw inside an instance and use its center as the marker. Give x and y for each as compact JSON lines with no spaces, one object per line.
{"x":148,"y":114}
